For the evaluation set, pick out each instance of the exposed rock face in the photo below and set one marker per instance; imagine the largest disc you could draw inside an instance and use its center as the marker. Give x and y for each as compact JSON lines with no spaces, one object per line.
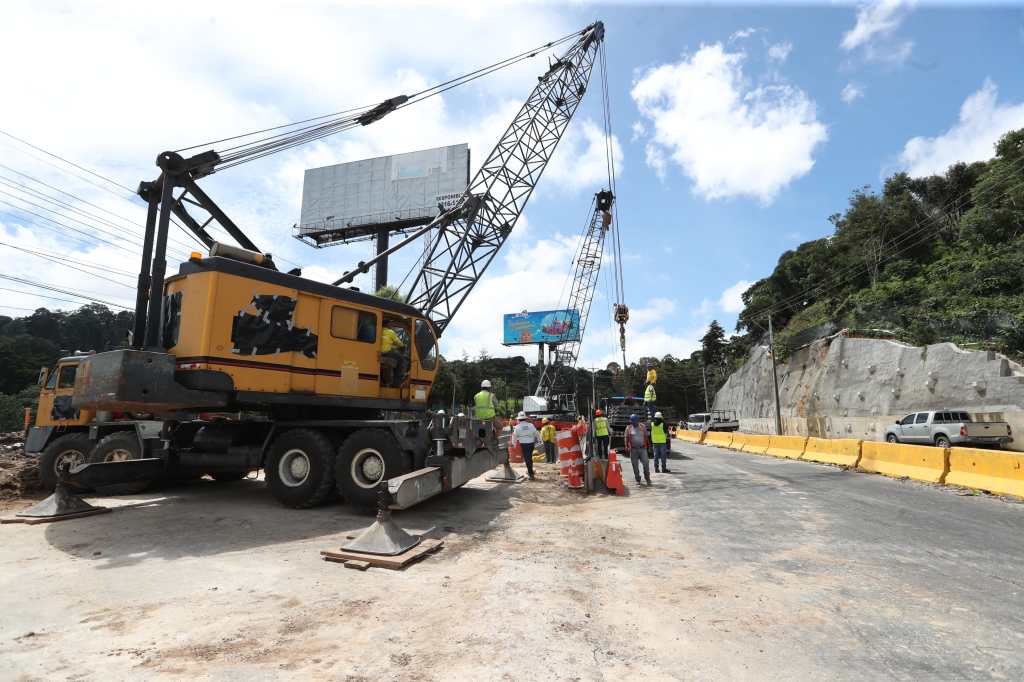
{"x":844,"y":387}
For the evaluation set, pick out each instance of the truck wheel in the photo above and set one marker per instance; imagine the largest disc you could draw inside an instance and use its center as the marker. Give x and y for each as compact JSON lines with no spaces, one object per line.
{"x":891,"y":438}
{"x":941,"y":441}
{"x":300,"y":468}
{"x":366,"y":458}
{"x":119,"y":446}
{"x":67,"y":451}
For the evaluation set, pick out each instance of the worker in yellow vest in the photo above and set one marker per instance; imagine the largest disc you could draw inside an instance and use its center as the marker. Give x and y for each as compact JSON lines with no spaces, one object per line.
{"x":485,"y":403}
{"x":601,"y":434}
{"x":650,"y":398}
{"x":547,"y":436}
{"x":659,"y":443}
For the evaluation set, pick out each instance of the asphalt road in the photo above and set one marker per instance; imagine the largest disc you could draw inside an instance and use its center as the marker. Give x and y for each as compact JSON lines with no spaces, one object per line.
{"x":905,"y":580}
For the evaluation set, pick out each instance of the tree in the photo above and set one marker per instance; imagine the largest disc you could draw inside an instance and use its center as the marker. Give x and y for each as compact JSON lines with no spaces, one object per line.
{"x":713,"y":345}
{"x":388,"y":291}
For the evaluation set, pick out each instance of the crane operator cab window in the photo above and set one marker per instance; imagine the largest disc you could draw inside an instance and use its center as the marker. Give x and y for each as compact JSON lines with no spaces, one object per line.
{"x":394,"y":352}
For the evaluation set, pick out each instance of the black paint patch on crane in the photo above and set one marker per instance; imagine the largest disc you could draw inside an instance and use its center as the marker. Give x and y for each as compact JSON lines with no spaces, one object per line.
{"x":271,"y":330}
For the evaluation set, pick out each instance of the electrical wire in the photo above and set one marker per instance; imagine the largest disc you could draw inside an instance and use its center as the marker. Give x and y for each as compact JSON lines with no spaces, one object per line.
{"x":47,"y":287}
{"x":62,"y":261}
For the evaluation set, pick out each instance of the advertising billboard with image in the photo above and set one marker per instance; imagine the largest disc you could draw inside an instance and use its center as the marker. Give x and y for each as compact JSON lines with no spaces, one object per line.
{"x":544,"y":326}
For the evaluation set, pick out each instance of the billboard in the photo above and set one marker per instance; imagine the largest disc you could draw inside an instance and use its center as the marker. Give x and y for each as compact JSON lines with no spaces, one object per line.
{"x":396,"y":190}
{"x":545,"y":326}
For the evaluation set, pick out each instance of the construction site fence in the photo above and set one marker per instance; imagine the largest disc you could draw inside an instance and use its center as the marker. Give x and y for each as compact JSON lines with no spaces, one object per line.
{"x":995,"y":471}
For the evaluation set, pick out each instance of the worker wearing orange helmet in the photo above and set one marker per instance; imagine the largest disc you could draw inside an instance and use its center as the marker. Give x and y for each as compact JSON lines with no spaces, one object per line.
{"x":601,"y":434}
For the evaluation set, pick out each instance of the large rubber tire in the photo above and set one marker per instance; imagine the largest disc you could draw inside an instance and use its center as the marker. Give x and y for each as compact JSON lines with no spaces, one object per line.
{"x":118,"y":446}
{"x":941,"y":441}
{"x":69,"y":449}
{"x":366,"y":458}
{"x":891,"y":438}
{"x":300,"y":468}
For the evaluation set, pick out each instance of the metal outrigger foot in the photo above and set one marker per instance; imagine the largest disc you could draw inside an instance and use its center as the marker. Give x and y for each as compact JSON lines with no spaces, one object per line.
{"x":384,"y":536}
{"x":508,"y":475}
{"x":60,"y":506}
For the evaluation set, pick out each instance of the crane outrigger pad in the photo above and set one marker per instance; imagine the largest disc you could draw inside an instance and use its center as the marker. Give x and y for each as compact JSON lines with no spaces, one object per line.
{"x":507,"y":475}
{"x":60,"y":506}
{"x":384,"y":537}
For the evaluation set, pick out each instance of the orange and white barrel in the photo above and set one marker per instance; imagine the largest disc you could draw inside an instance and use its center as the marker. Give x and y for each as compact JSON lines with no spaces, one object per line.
{"x":570,"y":458}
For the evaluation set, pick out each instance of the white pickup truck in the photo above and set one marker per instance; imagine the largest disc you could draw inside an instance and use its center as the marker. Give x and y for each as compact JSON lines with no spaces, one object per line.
{"x":944,"y":428}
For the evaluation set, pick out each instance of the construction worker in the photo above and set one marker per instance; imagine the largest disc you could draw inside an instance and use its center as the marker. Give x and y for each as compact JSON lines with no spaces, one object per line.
{"x":526,"y":435}
{"x":659,"y":443}
{"x":601,"y":434}
{"x":650,"y":397}
{"x":636,"y":446}
{"x":485,"y":403}
{"x":547,"y":436}
{"x":391,"y":354}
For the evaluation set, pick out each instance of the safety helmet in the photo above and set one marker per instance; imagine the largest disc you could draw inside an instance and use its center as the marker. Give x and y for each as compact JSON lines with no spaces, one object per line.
{"x":633,"y":418}
{"x":545,"y":420}
{"x":521,"y":415}
{"x":657,"y":415}
{"x":597,"y":413}
{"x":486,"y":383}
{"x":440,"y":412}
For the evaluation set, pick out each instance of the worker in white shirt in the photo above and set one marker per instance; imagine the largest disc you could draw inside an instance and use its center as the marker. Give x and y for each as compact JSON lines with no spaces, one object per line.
{"x":527,"y":436}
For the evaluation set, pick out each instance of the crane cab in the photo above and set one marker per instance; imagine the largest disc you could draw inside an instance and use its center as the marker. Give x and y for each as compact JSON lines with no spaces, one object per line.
{"x":269,"y":337}
{"x":56,"y":388}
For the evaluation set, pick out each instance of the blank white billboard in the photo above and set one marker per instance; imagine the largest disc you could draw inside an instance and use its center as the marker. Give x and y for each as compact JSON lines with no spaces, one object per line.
{"x":383,"y":190}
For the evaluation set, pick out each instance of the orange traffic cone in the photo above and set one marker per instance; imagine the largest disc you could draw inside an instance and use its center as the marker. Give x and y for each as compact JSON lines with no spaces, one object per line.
{"x":614,"y":481}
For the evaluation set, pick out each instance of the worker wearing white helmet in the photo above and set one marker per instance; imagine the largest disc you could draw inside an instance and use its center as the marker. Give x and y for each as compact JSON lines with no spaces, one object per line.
{"x":485,"y":403}
{"x":527,"y":436}
{"x":659,"y":443}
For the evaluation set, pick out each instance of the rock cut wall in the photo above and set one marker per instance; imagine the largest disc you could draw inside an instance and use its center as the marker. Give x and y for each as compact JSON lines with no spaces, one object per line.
{"x":843,"y":387}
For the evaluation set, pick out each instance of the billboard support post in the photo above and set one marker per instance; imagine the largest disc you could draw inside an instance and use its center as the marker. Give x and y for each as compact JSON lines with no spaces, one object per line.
{"x":381,"y":271}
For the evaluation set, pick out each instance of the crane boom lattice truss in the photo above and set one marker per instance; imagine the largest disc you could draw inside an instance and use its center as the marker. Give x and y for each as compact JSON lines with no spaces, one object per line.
{"x":581,"y":293}
{"x":469,"y":235}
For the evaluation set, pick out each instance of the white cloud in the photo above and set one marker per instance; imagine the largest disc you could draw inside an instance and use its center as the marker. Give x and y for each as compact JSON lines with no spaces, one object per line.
{"x":874,"y":20}
{"x":732,"y":138}
{"x":580,"y":161}
{"x":744,"y":33}
{"x":780,"y":51}
{"x":851,"y":92}
{"x":731,"y":300}
{"x":983,"y":120}
{"x":874,"y":32}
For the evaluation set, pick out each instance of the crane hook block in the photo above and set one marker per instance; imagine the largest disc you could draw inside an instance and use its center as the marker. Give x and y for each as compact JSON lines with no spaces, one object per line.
{"x":382,"y":110}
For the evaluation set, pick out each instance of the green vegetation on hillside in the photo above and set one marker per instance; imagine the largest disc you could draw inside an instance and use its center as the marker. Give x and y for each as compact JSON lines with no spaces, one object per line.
{"x":929,"y":259}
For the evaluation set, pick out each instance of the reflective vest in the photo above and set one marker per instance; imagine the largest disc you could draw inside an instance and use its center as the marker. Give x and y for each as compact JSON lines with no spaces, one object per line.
{"x":600,"y":426}
{"x":547,"y":433}
{"x":650,"y":395}
{"x":658,"y":434}
{"x":483,"y":405}
{"x":389,"y":340}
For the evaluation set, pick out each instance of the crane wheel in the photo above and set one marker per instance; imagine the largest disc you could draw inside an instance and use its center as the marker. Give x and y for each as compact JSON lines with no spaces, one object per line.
{"x":300,"y":468}
{"x":69,"y":450}
{"x":117,"y":447}
{"x":367,"y":458}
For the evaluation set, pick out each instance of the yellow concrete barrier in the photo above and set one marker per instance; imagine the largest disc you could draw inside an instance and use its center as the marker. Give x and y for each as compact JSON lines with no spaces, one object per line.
{"x":920,"y":462}
{"x":687,"y":435}
{"x":993,"y":470}
{"x":755,"y":443}
{"x":842,"y":451}
{"x":786,"y":446}
{"x":720,"y":439}
{"x":738,"y":441}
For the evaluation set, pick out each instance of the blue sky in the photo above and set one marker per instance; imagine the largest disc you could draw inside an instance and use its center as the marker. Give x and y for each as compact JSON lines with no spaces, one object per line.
{"x":741,"y":129}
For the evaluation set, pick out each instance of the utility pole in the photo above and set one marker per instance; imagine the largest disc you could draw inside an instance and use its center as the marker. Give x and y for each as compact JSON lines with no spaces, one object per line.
{"x":704,"y":374}
{"x":775,"y":377}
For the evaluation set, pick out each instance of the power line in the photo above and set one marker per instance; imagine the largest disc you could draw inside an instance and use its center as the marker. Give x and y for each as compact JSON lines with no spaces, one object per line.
{"x":47,"y":287}
{"x":58,"y":261}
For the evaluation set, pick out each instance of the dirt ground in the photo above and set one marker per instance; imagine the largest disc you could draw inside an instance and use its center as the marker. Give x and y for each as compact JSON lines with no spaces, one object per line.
{"x":216,"y":581}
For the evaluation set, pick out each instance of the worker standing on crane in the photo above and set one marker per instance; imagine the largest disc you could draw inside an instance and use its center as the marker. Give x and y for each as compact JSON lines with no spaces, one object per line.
{"x":601,"y":434}
{"x":659,"y":443}
{"x":547,"y":436}
{"x":391,"y":355}
{"x":485,"y":403}
{"x":650,"y":398}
